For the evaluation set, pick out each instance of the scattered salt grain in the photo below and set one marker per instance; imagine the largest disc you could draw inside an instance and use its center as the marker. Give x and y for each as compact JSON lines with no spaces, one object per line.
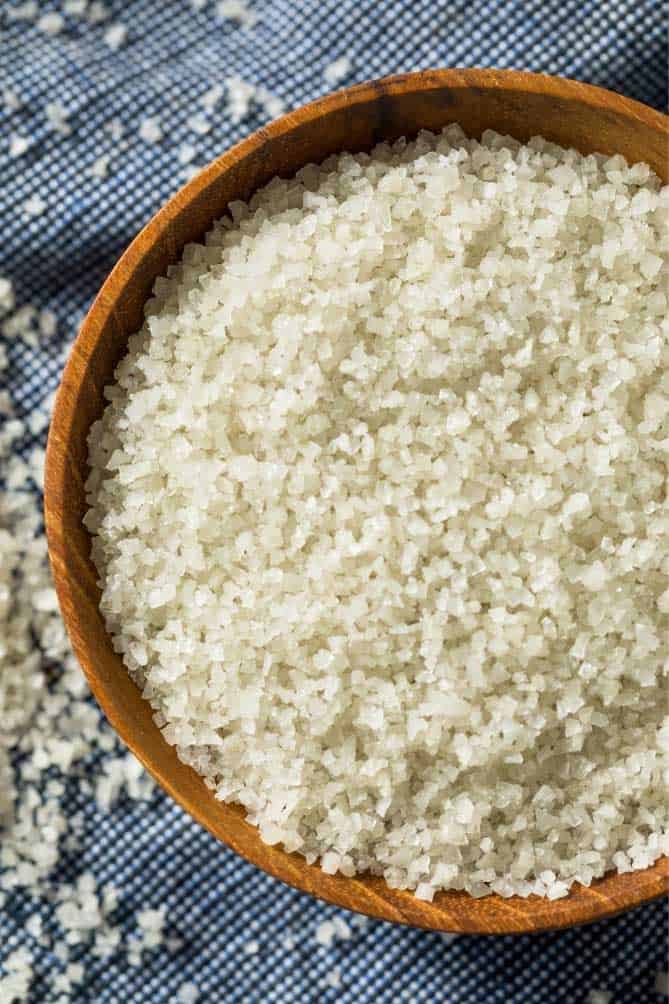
{"x":342,"y":930}
{"x":239,"y":98}
{"x":662,"y":983}
{"x":97,"y":12}
{"x":237,"y":10}
{"x":271,"y":104}
{"x":210,"y":98}
{"x":75,"y":8}
{"x":251,"y":947}
{"x":187,"y":993}
{"x":47,"y":323}
{"x":27,"y":11}
{"x":115,"y":36}
{"x":34,"y":206}
{"x":6,"y":295}
{"x":333,"y":978}
{"x":36,"y":460}
{"x":33,"y":925}
{"x":150,"y":131}
{"x":599,"y":997}
{"x":151,"y":920}
{"x":186,"y":153}
{"x":191,"y":171}
{"x":57,"y":117}
{"x":10,"y":100}
{"x":14,"y":986}
{"x":325,"y":933}
{"x":100,"y":167}
{"x":38,"y":421}
{"x":337,"y":70}
{"x":18,"y":144}
{"x":115,"y":129}
{"x":51,"y":23}
{"x":199,"y":124}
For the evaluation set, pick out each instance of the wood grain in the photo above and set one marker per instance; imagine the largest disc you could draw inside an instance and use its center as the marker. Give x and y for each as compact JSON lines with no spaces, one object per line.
{"x":521,"y":104}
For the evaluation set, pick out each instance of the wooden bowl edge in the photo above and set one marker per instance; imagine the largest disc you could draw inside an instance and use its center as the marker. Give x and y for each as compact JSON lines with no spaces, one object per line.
{"x":363,"y":894}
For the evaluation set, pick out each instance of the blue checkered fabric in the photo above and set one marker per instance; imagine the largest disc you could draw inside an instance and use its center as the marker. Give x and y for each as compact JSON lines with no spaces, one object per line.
{"x":156,"y":855}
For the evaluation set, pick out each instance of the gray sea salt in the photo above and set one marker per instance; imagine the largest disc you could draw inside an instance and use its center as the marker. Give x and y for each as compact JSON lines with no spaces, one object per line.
{"x":380,"y":513}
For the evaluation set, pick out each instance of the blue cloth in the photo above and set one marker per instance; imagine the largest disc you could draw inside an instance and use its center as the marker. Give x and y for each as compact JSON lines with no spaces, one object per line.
{"x":173,"y":54}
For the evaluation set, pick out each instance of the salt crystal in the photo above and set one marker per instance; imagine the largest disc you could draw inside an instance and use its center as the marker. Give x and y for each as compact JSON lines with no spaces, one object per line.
{"x":191,"y":171}
{"x":100,"y":167}
{"x":47,"y":322}
{"x":97,"y":12}
{"x":237,"y":10}
{"x":10,"y":100}
{"x":210,"y":98}
{"x":272,"y":104}
{"x":51,"y":23}
{"x":6,"y":294}
{"x":151,"y":920}
{"x":186,"y":153}
{"x":187,"y":993}
{"x":333,"y":978}
{"x":18,"y":144}
{"x":342,"y":929}
{"x":57,"y":117}
{"x":240,"y":95}
{"x":34,"y":206}
{"x":27,"y":11}
{"x":337,"y":70}
{"x":150,"y":131}
{"x":115,"y":129}
{"x":115,"y":36}
{"x":199,"y":124}
{"x":325,"y":933}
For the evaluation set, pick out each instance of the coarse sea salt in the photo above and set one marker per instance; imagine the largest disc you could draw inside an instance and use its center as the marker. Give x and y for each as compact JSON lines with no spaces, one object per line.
{"x":380,"y":515}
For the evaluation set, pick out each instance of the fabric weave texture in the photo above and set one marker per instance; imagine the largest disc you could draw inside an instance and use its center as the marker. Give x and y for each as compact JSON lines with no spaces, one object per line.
{"x":173,"y":53}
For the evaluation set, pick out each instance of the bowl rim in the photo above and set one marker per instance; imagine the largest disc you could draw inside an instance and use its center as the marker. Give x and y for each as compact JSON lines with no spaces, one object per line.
{"x":369,"y":895}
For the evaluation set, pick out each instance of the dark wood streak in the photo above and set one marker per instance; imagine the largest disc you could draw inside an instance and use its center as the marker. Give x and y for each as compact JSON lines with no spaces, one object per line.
{"x":518,"y":103}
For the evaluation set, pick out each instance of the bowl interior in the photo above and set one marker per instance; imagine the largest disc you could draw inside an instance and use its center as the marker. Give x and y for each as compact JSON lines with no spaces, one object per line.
{"x":520,"y":104}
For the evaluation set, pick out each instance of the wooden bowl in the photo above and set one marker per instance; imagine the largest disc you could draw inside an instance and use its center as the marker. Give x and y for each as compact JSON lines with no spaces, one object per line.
{"x":521,"y":104}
